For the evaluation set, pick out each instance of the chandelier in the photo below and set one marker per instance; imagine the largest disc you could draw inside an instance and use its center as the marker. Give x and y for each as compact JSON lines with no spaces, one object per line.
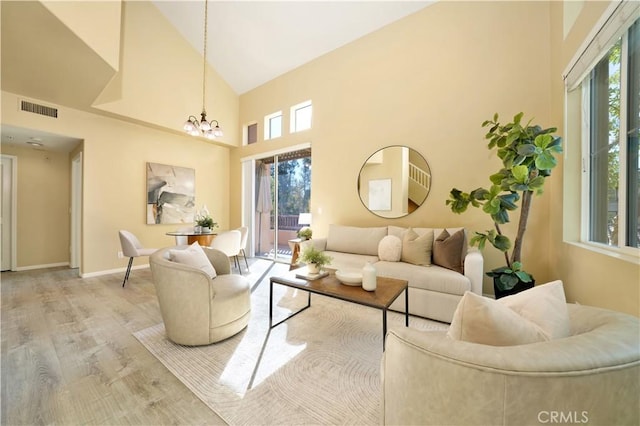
{"x":203,"y":127}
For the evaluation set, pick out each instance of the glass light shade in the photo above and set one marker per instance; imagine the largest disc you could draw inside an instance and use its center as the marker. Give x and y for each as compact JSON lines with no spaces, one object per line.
{"x":217,"y":132}
{"x":205,"y":125}
{"x":189,"y":126}
{"x":194,"y":132}
{"x":209,"y":134}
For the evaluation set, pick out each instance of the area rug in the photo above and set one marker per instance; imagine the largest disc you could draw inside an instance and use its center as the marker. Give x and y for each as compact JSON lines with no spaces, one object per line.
{"x":319,"y":367}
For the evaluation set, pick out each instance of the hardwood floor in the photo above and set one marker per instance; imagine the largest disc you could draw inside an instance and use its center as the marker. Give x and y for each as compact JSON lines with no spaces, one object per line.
{"x":69,"y":357}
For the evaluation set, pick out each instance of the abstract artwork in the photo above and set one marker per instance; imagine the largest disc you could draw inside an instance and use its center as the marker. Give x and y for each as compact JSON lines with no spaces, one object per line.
{"x":380,"y":194}
{"x":170,"y":194}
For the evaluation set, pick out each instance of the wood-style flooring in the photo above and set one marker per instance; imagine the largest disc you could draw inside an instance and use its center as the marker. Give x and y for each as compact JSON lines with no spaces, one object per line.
{"x":69,"y":356}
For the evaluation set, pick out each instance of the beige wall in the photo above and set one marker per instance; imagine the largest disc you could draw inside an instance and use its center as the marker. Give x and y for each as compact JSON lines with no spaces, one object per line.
{"x":591,"y":276}
{"x":428,"y":82}
{"x":42,"y":223}
{"x":114,"y":186}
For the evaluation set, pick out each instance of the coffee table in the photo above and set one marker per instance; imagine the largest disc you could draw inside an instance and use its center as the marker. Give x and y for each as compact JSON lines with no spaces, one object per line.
{"x":386,"y":292}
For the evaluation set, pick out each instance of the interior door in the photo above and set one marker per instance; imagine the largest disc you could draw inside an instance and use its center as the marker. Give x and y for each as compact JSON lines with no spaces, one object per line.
{"x":6,"y":218}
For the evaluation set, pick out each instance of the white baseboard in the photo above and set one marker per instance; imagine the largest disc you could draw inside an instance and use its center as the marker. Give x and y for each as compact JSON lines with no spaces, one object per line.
{"x":48,"y":265}
{"x":111,"y":271}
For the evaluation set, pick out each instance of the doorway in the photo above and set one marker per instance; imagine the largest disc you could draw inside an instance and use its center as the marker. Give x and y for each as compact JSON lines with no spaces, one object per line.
{"x":283,"y":194}
{"x":8,"y":211}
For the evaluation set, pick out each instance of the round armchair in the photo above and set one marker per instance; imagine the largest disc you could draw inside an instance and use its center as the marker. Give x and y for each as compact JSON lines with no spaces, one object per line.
{"x":197,"y":309}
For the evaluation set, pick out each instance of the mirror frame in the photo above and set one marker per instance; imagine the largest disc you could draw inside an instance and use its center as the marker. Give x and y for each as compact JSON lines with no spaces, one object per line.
{"x":380,"y":182}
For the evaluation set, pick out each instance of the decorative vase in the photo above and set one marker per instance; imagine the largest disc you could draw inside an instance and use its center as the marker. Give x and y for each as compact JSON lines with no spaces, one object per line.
{"x":197,"y":229}
{"x":206,"y":229}
{"x":369,"y":280}
{"x":313,"y":268}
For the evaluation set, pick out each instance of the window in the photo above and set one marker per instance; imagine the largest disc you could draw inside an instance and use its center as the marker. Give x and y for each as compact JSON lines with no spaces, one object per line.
{"x":252,"y":133}
{"x":301,"y":116}
{"x":611,"y":181}
{"x":273,"y":125}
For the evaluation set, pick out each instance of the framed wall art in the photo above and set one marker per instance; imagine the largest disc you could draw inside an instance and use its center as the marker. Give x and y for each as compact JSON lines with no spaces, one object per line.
{"x":170,"y":194}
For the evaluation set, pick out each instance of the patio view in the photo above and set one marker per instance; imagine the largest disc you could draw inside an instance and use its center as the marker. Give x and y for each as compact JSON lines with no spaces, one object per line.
{"x":281,"y":198}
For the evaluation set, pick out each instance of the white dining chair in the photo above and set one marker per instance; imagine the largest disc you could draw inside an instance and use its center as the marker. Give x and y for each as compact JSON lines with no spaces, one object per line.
{"x":228,"y":242}
{"x":131,"y":247}
{"x":244,"y":236}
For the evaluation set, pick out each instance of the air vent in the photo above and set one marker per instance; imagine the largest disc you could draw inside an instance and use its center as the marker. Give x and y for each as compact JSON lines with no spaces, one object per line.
{"x":38,"y":109}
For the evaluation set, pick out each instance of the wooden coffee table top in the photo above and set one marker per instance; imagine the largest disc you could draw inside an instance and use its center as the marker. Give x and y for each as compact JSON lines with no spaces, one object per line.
{"x":387,"y":289}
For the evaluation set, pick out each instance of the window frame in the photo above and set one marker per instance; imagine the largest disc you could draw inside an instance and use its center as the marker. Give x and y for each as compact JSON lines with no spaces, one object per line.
{"x":294,"y":118}
{"x":621,"y":246}
{"x":268,"y":127}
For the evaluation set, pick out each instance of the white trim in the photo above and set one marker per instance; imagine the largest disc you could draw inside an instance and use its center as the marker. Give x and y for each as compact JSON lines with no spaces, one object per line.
{"x":44,"y":266}
{"x":248,"y":203}
{"x":614,"y":22}
{"x":622,"y":145}
{"x":14,"y":210}
{"x":267,"y":125}
{"x":626,"y":254}
{"x":112,"y":271}
{"x":75,"y":249}
{"x":585,"y":164}
{"x":276,"y":152}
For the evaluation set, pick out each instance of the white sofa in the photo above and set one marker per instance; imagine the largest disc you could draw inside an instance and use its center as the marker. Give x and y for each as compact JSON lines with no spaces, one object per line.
{"x":590,"y":377}
{"x":434,"y":291}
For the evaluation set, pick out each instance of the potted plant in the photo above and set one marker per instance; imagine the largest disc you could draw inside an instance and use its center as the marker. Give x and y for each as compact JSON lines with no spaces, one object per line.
{"x":528,"y":154}
{"x":206,"y":223}
{"x":314,"y":258}
{"x":305,"y":233}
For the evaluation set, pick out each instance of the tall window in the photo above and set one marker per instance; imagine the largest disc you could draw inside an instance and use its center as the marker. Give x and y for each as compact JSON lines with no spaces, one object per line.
{"x":301,"y":116}
{"x":273,"y":125}
{"x":610,"y":158}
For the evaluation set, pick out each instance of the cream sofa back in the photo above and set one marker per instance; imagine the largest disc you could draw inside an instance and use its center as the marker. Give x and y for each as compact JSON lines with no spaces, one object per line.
{"x":351,"y":239}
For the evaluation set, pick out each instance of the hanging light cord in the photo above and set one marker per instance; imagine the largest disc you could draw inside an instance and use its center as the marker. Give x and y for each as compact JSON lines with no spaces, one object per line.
{"x":204,"y":62}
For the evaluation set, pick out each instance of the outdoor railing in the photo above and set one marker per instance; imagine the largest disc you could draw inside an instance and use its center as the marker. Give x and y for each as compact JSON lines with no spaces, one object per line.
{"x":287,"y":222}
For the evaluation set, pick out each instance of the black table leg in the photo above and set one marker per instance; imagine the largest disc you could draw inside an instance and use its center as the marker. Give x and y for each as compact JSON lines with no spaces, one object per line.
{"x":384,"y":327}
{"x":406,"y":307}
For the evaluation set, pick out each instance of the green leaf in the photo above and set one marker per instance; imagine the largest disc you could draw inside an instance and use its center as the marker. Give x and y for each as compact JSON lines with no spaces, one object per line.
{"x":526,"y":149}
{"x":520,"y":173}
{"x":508,"y":201}
{"x":502,"y":243}
{"x":495,"y":116}
{"x":518,"y":117}
{"x":545,"y":161}
{"x":523,"y":276}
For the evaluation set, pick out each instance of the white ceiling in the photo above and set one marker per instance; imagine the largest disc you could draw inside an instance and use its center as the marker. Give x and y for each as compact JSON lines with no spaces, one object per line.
{"x":252,"y":42}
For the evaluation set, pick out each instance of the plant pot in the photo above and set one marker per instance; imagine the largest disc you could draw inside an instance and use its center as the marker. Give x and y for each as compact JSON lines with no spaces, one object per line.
{"x":206,"y":229}
{"x":313,"y":268}
{"x":520,"y":286}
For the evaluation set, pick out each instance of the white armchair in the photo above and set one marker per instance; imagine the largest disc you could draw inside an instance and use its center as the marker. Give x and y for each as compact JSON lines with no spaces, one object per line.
{"x":196,"y":309}
{"x":590,"y":377}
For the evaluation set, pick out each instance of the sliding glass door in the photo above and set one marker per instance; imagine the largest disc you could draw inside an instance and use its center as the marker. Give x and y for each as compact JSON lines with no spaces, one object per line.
{"x":283,"y":191}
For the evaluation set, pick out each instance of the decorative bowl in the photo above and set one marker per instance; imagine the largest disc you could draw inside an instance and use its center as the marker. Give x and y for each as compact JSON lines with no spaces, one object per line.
{"x":349,"y":277}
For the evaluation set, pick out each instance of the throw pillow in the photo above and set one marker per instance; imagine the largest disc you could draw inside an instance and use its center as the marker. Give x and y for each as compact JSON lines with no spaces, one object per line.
{"x":416,"y":249}
{"x":486,"y":321}
{"x":390,"y":249}
{"x":544,"y":305}
{"x":448,"y":250}
{"x":194,"y":256}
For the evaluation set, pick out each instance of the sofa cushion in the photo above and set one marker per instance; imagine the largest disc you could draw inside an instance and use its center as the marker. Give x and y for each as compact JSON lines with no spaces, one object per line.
{"x":449,"y":250}
{"x":486,"y":321}
{"x":540,"y":314}
{"x":544,"y":305}
{"x":194,"y":256}
{"x":399,"y":231}
{"x":434,"y":278}
{"x":416,"y":249}
{"x":390,"y":248}
{"x":351,"y":239}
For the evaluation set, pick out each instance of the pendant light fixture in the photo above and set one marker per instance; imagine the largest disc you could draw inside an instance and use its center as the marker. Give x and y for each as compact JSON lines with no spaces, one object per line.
{"x":203,"y":127}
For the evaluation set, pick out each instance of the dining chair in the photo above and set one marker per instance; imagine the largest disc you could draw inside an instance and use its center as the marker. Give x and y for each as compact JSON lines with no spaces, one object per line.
{"x":131,"y":247}
{"x":228,"y":242}
{"x":244,"y":235}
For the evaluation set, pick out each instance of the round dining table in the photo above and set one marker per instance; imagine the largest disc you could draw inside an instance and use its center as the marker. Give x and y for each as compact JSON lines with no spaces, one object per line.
{"x":203,"y":238}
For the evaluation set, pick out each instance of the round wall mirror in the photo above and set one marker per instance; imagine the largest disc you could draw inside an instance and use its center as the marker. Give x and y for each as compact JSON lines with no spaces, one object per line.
{"x":394,"y":181}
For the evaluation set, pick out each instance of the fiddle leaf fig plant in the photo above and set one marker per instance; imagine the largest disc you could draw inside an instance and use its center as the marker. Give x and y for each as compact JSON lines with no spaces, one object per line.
{"x":528,"y":154}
